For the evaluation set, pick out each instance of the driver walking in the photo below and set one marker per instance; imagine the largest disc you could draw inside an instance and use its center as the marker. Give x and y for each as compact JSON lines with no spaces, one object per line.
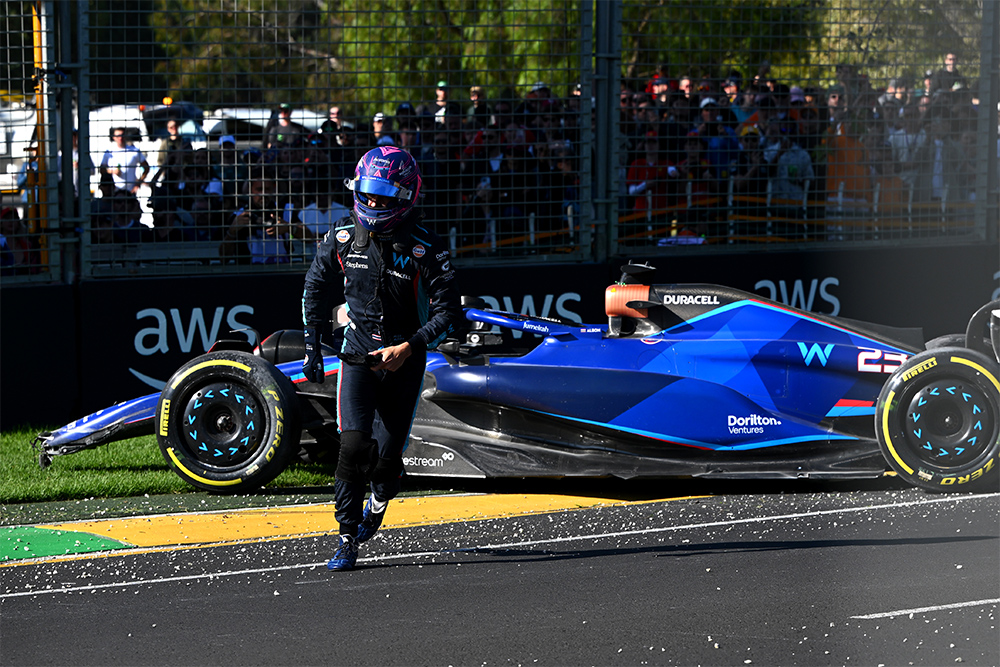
{"x":402,"y":299}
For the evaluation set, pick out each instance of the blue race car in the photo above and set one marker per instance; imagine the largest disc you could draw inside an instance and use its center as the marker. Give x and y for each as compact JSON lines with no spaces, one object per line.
{"x":682,"y":381}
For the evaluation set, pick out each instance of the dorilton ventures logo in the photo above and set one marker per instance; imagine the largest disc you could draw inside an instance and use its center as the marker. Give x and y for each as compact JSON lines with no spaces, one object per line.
{"x":751,"y":424}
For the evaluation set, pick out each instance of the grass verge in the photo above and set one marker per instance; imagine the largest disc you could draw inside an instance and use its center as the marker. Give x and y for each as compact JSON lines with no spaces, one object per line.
{"x":116,"y":470}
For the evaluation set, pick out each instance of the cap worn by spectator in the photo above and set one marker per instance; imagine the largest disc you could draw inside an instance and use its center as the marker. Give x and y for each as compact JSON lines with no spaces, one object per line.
{"x":378,"y":118}
{"x":442,"y":84}
{"x":707,"y":101}
{"x":227,"y":139}
{"x":405,"y":109}
{"x":539,"y":85}
{"x":797,"y":95}
{"x":284,"y":106}
{"x":835,"y":90}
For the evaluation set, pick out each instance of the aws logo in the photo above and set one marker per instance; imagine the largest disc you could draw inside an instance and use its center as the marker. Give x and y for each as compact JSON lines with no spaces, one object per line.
{"x":816,"y":352}
{"x":175,"y":330}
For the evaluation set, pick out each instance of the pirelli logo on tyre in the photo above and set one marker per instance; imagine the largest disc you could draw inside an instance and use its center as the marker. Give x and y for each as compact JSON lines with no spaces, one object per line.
{"x":165,"y":417}
{"x":917,"y":370}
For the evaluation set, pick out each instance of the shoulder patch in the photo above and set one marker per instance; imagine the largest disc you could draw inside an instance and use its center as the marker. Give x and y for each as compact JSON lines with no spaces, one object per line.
{"x":343,"y":236}
{"x":419,"y":251}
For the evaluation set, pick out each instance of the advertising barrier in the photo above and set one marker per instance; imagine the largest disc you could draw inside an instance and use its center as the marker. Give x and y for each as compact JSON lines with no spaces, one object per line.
{"x":69,"y":351}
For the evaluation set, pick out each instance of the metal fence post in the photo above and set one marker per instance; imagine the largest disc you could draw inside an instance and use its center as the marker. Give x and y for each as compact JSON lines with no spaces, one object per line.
{"x":607,"y":59}
{"x":988,"y":171}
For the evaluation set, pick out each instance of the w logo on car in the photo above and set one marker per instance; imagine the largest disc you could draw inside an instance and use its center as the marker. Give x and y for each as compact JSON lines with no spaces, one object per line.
{"x":815,"y":351}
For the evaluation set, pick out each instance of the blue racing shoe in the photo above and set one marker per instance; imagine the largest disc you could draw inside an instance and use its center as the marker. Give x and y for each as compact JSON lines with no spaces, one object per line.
{"x":346,"y":556}
{"x":370,"y":520}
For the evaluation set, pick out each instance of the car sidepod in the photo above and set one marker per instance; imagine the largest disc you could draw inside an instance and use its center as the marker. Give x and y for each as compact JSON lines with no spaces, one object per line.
{"x":744,"y":387}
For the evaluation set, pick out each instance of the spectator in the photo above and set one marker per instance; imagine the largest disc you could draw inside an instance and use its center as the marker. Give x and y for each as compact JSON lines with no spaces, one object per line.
{"x":731,"y":89}
{"x":27,"y":182}
{"x":125,"y":219}
{"x":171,"y":153}
{"x":381,"y":131}
{"x":339,"y":119}
{"x":697,"y":184}
{"x":408,"y":139}
{"x":948,"y":78}
{"x":906,"y":138}
{"x":405,"y":113}
{"x":939,"y":161}
{"x":123,"y":163}
{"x":750,"y":179}
{"x":443,"y":186}
{"x":559,"y":187}
{"x":479,"y":111}
{"x":793,"y":171}
{"x":231,"y":170}
{"x":20,"y":253}
{"x":257,"y":233}
{"x":282,"y":132}
{"x":835,"y":103}
{"x":507,"y":195}
{"x":659,"y":88}
{"x":441,"y":97}
{"x":199,"y":200}
{"x":721,"y":145}
{"x":649,"y":177}
{"x":686,"y":86}
{"x":174,"y":151}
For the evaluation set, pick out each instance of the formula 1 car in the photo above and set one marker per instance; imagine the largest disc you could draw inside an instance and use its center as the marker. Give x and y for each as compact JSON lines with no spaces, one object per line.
{"x":682,"y":381}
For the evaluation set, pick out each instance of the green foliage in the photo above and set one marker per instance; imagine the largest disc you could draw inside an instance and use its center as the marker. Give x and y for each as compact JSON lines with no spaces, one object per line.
{"x":704,"y":38}
{"x":359,"y":52}
{"x":892,"y":38}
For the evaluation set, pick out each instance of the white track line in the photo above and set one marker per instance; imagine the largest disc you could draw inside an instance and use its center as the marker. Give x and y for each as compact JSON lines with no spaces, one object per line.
{"x":924,"y":610}
{"x":507,"y":545}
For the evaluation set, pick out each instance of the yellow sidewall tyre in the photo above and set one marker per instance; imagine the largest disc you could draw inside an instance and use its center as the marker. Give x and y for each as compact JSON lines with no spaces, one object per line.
{"x":228,"y":422}
{"x":938,"y":420}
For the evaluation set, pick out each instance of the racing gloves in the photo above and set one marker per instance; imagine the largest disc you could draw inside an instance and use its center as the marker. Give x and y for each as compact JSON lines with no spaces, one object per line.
{"x":312,"y":365}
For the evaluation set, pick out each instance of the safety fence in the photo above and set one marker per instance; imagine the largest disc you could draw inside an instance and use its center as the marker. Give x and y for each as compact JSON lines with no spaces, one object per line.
{"x":214,"y":137}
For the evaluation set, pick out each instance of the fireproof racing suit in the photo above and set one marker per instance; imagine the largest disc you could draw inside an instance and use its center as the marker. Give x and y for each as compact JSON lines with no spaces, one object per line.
{"x":398,"y":289}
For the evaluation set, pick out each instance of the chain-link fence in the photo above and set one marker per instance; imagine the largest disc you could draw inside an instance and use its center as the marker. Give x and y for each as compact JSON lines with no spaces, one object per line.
{"x":216,"y":136}
{"x":780,"y":122}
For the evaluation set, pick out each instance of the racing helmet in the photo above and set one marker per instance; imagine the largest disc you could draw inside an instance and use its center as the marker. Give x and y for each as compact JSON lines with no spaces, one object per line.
{"x":389,"y":178}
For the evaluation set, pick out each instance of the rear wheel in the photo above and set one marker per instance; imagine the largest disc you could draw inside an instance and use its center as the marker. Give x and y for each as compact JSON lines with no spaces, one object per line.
{"x":938,"y":420}
{"x":228,"y":422}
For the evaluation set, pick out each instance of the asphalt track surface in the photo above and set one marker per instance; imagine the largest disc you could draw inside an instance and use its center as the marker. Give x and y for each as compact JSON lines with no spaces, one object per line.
{"x":865,"y":575}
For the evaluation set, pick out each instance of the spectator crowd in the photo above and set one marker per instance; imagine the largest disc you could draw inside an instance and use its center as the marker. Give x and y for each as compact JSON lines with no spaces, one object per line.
{"x":703,"y":158}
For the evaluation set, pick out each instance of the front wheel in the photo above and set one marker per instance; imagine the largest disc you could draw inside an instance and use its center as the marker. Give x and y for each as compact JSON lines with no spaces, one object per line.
{"x":228,"y":422}
{"x":938,"y":420}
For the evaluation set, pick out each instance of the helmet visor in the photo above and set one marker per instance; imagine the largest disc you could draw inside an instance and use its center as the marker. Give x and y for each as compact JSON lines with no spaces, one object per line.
{"x":379,"y":190}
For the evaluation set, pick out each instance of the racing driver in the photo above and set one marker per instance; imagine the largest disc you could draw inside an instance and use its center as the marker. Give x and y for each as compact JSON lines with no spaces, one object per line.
{"x":402,"y":299}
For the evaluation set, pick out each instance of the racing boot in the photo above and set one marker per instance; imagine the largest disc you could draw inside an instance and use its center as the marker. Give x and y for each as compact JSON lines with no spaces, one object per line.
{"x":346,"y":555}
{"x":372,"y":518}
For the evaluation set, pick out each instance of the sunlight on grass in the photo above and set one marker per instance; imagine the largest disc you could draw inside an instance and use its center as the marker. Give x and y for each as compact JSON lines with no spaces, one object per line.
{"x":119,"y":469}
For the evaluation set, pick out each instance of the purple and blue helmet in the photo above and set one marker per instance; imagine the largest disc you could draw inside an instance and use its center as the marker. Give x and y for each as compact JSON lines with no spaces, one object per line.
{"x":386,"y":185}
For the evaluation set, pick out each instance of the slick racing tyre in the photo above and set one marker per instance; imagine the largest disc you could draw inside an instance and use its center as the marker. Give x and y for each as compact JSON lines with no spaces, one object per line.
{"x":938,"y":420}
{"x":228,"y":422}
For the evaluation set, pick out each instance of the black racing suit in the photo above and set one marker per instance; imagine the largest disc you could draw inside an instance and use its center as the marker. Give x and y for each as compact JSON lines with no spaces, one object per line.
{"x":398,"y":289}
